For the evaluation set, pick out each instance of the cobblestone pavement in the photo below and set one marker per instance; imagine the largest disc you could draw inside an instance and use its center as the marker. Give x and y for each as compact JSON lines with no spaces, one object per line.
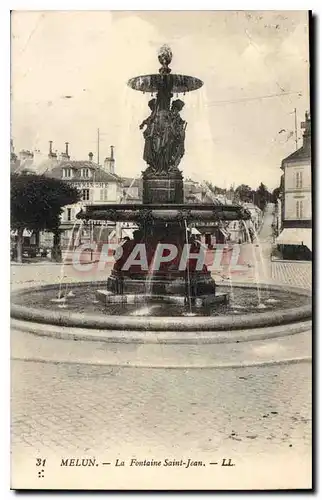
{"x":266,"y":409}
{"x":293,"y":273}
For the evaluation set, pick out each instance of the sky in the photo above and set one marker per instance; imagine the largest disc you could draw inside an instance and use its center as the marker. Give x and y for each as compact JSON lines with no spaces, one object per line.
{"x":254,"y":65}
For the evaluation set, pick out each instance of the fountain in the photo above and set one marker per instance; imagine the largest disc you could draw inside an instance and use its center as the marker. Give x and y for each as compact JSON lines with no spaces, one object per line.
{"x":163,"y":217}
{"x":158,"y":286}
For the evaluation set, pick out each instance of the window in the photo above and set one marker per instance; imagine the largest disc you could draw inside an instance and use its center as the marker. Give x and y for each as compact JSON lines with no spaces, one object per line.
{"x":85,"y":194}
{"x":299,"y":180}
{"x":69,"y":214}
{"x":85,"y":172}
{"x":104,"y":194}
{"x":299,"y":209}
{"x":67,"y":173}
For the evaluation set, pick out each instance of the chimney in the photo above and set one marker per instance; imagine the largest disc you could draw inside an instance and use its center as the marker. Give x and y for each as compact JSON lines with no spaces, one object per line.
{"x":109,"y":162}
{"x":307,"y":132}
{"x":50,"y":148}
{"x":25,"y":154}
{"x":90,"y":156}
{"x":65,"y":156}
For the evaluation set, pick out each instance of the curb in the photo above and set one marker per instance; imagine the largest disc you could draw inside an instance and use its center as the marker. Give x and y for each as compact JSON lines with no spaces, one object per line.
{"x":287,"y":361}
{"x":154,"y":337}
{"x":288,"y":349}
{"x":284,"y":261}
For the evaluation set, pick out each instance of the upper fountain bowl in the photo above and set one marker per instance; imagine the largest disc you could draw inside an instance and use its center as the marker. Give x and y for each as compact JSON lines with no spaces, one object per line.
{"x":173,"y":83}
{"x":153,"y":83}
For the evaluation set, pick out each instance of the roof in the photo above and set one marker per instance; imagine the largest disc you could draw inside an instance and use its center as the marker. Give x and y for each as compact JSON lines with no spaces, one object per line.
{"x":19,"y":166}
{"x":298,"y":155}
{"x":295,"y":236}
{"x":43,"y":167}
{"x":100,"y":175}
{"x":190,"y":181}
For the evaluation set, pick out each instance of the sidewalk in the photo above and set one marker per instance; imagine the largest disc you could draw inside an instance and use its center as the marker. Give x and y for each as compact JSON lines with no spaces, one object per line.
{"x":293,"y":348}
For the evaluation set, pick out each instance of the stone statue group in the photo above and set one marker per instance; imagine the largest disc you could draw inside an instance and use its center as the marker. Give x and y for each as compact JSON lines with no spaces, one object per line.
{"x":164,"y":137}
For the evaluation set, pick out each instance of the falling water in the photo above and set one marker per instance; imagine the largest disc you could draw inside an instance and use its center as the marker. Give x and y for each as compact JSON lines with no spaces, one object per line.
{"x":230,"y":278}
{"x":255,"y":264}
{"x":148,"y":282}
{"x":128,"y":189}
{"x":62,"y":267}
{"x":188,"y":272}
{"x":100,"y":233}
{"x":149,"y":279}
{"x":133,"y":109}
{"x":208,"y":191}
{"x":203,"y":184}
{"x":201,"y":152}
{"x":129,"y":133}
{"x":264,"y":270}
{"x":125,"y":121}
{"x":144,"y":311}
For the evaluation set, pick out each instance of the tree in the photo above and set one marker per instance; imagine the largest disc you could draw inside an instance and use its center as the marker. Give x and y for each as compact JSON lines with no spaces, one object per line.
{"x":262,"y":196}
{"x":244,"y":193}
{"x":276,"y":194}
{"x":36,"y":204}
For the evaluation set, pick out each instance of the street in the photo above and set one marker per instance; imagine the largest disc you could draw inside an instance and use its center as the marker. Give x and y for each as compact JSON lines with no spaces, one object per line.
{"x":256,"y":415}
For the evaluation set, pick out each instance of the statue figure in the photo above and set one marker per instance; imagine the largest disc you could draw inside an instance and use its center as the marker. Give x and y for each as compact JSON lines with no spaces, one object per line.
{"x":164,"y":137}
{"x":148,"y":154}
{"x":179,"y":132}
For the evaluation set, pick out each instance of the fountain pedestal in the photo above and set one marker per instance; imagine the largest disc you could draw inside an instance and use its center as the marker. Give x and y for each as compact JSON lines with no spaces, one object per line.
{"x":164,"y":188}
{"x":157,"y":273}
{"x":167,"y":283}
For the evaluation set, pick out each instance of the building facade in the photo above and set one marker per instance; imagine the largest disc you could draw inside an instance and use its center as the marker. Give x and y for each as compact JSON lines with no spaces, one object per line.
{"x":196,"y":192}
{"x":97,"y":184}
{"x":295,"y":239}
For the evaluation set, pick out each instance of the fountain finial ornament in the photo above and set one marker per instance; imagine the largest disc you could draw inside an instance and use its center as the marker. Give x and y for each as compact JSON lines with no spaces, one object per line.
{"x":165,"y":58}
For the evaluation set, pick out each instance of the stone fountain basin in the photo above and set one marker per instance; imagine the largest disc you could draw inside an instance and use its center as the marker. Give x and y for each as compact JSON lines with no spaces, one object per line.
{"x":264,"y":320}
{"x":163,"y":213}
